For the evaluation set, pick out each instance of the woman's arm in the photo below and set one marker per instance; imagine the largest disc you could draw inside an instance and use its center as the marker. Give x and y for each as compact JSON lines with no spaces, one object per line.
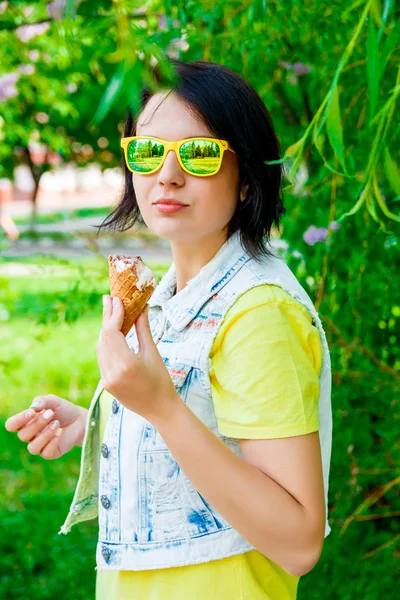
{"x":282,"y":517}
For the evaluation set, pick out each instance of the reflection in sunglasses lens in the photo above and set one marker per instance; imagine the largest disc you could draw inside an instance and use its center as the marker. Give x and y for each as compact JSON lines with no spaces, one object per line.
{"x":201,"y":157}
{"x":144,"y":155}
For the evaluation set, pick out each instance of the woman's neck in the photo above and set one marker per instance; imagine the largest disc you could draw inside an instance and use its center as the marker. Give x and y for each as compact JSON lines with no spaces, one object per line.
{"x":191,"y":256}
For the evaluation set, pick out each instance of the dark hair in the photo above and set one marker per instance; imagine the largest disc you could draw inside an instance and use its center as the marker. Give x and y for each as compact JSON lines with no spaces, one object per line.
{"x":233,"y":110}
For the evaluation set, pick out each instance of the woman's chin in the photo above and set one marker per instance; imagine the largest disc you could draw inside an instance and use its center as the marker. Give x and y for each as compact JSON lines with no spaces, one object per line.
{"x":172,"y":232}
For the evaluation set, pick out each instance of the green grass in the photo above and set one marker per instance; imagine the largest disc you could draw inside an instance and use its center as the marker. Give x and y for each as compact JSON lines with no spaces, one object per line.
{"x":88,"y":263}
{"x":59,"y":216}
{"x":55,"y":236}
{"x":36,"y":494}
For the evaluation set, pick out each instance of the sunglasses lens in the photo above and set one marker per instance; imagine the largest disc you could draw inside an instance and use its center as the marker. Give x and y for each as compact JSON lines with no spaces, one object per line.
{"x":144,"y":155}
{"x":201,"y":157}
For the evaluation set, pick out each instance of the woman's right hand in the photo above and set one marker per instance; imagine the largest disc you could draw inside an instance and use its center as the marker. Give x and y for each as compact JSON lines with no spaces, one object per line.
{"x":52,"y":426}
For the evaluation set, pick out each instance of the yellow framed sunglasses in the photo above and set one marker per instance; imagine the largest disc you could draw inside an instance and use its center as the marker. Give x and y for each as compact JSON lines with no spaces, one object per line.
{"x":199,"y":156}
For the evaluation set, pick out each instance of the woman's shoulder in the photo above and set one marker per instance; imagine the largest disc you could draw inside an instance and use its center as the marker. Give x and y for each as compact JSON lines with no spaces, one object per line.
{"x":268,"y":318}
{"x":261,"y":295}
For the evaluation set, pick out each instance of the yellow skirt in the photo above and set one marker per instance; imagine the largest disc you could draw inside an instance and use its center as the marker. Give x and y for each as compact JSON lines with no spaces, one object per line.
{"x":249,"y":576}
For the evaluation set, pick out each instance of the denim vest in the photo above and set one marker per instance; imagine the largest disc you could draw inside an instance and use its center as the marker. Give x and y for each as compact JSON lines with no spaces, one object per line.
{"x":150,"y":515}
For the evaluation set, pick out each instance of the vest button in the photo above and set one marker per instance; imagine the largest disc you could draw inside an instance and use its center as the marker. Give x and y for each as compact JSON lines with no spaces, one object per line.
{"x":104,"y":450}
{"x":115,"y":406}
{"x":105,"y":502}
{"x":106,"y":553}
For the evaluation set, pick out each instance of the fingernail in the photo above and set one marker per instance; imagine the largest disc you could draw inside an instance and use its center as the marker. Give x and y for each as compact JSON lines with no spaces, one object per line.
{"x":47,"y":414}
{"x":58,"y":432}
{"x":115,"y":301}
{"x":36,"y":404}
{"x":29,"y":413}
{"x":54,"y":424}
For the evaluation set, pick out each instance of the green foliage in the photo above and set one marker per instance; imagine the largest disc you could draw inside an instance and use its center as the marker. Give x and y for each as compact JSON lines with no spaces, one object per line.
{"x":59,"y":217}
{"x":92,"y":59}
{"x":36,"y":496}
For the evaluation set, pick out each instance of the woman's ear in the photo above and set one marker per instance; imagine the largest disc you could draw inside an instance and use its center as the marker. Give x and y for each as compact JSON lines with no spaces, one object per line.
{"x":243,"y":192}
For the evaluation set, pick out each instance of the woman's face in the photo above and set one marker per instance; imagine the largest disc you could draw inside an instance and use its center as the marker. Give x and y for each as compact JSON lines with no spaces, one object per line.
{"x":211,"y":200}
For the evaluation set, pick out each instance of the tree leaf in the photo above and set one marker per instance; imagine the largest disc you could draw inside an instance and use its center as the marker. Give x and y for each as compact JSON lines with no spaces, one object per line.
{"x":376,"y":13}
{"x":391,"y":171}
{"x":294,"y":148}
{"x":382,"y":203}
{"x":357,"y":205}
{"x":388,"y":47}
{"x":373,"y":69}
{"x":372,"y":211}
{"x":111,"y":94}
{"x":334,"y":128}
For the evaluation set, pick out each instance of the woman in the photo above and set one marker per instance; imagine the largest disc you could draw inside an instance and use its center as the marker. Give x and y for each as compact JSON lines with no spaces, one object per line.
{"x":206,"y":450}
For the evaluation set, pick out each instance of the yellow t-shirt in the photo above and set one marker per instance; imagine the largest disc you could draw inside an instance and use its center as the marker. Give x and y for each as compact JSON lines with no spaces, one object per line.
{"x":266,"y":360}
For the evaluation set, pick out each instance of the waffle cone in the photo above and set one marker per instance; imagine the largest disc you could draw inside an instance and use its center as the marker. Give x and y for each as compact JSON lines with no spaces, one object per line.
{"x":123,"y":285}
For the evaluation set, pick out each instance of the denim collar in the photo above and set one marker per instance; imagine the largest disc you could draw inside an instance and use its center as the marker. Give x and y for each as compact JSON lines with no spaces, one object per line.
{"x":181,"y":308}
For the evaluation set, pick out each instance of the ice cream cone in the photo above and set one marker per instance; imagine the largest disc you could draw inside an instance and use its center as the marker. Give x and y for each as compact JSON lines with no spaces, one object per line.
{"x":133,"y":282}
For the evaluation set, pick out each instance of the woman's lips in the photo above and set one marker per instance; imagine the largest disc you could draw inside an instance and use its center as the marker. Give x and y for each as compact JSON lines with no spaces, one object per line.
{"x":169,"y":208}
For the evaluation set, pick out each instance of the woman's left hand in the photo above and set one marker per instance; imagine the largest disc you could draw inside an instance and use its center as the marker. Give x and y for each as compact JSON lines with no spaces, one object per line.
{"x":141,"y":381}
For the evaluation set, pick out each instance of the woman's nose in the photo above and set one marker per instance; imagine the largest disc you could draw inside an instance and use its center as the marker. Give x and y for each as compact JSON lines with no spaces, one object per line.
{"x":171,"y":169}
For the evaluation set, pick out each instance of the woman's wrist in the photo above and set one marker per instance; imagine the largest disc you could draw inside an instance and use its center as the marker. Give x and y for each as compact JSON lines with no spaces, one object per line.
{"x":82,"y":418}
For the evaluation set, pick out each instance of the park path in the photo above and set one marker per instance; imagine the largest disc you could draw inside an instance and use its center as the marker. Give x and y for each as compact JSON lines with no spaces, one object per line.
{"x":85,"y":243}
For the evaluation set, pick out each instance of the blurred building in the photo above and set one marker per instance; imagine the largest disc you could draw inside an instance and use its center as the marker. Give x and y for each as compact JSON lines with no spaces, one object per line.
{"x":65,"y":188}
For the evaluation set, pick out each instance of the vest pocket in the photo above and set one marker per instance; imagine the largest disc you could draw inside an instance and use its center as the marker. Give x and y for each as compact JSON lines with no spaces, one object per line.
{"x":180,"y":375}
